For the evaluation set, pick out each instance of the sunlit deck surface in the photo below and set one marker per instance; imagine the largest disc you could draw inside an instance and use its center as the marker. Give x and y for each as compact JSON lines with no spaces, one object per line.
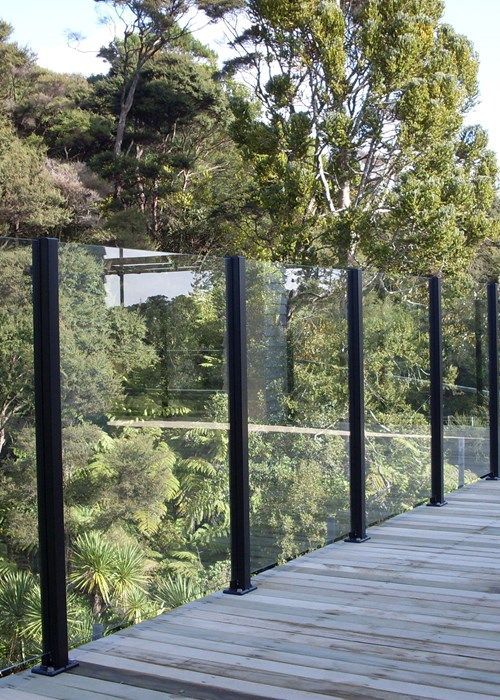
{"x":412,"y":613}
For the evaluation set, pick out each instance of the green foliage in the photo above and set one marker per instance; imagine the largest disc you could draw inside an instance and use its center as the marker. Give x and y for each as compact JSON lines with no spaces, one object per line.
{"x":346,"y":145}
{"x":182,"y":330}
{"x":17,"y":66}
{"x":108,"y":573}
{"x":76,"y":132}
{"x":29,"y":201}
{"x":176,"y":591}
{"x":147,"y":509}
{"x":20,"y":629}
{"x":360,"y":154}
{"x":16,"y":330}
{"x":178,"y":171}
{"x":297,"y":483}
{"x":140,"y":481}
{"x":93,"y":561}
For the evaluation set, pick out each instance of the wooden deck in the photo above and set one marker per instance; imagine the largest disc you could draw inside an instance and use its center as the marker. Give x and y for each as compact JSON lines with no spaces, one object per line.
{"x":413,"y":613}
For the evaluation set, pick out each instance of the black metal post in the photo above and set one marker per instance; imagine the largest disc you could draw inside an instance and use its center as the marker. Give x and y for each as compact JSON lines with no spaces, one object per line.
{"x":493,"y":379}
{"x":356,"y":406}
{"x":49,"y":458}
{"x":479,"y":349}
{"x":121,"y":277}
{"x":436,"y":398}
{"x":238,"y":426}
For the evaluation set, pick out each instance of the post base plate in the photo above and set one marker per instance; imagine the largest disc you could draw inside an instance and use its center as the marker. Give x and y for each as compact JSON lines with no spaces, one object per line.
{"x":239,"y":591}
{"x":51,"y":671}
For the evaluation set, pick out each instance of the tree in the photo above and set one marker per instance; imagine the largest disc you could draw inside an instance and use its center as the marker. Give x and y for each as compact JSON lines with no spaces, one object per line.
{"x":93,"y":560}
{"x":92,"y":369}
{"x":114,"y":576}
{"x":149,"y":26}
{"x":188,"y":335}
{"x":29,"y":201}
{"x":107,"y":572}
{"x":16,"y":338}
{"x":140,"y":481}
{"x":17,"y":66}
{"x":20,"y":629}
{"x":175,"y":591}
{"x":360,"y":153}
{"x":176,"y":176}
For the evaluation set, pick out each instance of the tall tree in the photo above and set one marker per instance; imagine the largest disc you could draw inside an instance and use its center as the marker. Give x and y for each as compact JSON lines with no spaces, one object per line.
{"x":149,"y":26}
{"x":175,"y":180}
{"x":360,"y":152}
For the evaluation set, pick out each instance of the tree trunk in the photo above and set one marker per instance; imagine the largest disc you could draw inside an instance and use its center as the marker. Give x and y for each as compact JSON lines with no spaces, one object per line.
{"x":126,"y":105}
{"x":154,"y":215}
{"x":97,"y":604}
{"x":345,"y":202}
{"x":345,"y":183}
{"x":2,"y":438}
{"x":351,"y":253}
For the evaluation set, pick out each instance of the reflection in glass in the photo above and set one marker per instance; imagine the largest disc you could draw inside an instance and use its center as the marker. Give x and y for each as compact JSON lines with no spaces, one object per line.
{"x":396,"y":394}
{"x":20,"y":613}
{"x":298,"y":410}
{"x":465,"y":352}
{"x":144,"y":432}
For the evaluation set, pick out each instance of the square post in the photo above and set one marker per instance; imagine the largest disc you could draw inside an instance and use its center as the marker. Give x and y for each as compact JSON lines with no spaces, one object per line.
{"x":121,"y":277}
{"x":436,"y":398}
{"x":45,"y":275}
{"x":356,"y":407}
{"x":239,"y":489}
{"x":493,"y":366}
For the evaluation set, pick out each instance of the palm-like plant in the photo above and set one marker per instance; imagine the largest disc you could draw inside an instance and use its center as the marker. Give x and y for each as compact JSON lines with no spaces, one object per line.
{"x":93,"y":563}
{"x":174,"y":591}
{"x":137,"y":606}
{"x":5,"y":566}
{"x":20,"y":615}
{"x":80,"y":621}
{"x":129,"y":571}
{"x":115,"y":577}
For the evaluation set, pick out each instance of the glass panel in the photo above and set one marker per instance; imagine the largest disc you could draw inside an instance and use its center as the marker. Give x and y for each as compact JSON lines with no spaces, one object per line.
{"x":298,"y":410}
{"x":465,"y":352}
{"x":20,"y":615}
{"x":396,"y":394}
{"x":145,"y":433}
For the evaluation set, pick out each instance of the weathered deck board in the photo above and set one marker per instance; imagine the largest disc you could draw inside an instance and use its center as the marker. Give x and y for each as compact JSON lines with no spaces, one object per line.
{"x":412,"y":613}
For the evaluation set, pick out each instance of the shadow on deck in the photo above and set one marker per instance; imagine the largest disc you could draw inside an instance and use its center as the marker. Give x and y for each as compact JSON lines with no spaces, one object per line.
{"x":412,"y":613}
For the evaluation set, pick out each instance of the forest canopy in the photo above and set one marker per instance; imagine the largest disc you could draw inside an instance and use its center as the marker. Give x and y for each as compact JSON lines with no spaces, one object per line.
{"x":336,"y":133}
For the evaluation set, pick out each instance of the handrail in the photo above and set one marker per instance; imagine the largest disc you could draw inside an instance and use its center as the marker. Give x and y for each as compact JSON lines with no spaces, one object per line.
{"x":275,"y":428}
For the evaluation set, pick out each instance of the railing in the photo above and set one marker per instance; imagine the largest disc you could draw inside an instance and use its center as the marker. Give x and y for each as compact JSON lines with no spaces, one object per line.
{"x":317,"y":401}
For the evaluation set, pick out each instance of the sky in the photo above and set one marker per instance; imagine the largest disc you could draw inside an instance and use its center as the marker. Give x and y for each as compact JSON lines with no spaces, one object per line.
{"x":44,"y":25}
